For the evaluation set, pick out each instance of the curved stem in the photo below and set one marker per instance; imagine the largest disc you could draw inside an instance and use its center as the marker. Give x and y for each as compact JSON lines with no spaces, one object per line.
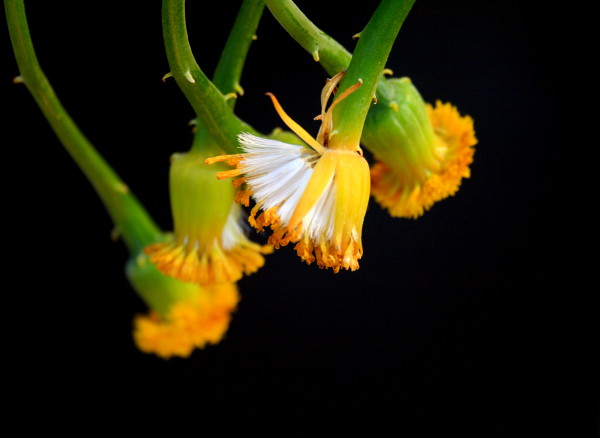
{"x":209,"y":104}
{"x":368,"y":61}
{"x":331,"y":55}
{"x":131,"y":219}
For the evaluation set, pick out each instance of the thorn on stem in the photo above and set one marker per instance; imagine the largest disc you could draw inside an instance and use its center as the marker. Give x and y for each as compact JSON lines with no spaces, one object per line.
{"x":231,"y":95}
{"x":122,"y":188}
{"x":188,"y":75}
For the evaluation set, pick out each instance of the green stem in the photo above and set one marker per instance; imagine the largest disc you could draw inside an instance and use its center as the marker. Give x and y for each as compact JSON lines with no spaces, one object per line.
{"x":129,"y":216}
{"x":368,"y":61}
{"x":231,"y":63}
{"x":209,"y":104}
{"x":331,"y":55}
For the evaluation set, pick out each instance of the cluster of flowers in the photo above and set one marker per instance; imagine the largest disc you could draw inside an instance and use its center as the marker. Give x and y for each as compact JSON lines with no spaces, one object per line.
{"x":312,"y":192}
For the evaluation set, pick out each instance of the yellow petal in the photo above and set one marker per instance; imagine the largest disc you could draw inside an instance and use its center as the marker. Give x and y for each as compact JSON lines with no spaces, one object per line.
{"x":353,"y":188}
{"x":319,"y":181}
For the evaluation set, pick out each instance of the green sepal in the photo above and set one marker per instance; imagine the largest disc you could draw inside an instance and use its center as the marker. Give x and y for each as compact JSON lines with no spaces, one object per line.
{"x":397,"y":129}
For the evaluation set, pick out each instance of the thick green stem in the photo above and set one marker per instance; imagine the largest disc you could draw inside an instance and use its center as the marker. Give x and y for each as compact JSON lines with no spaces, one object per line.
{"x":208,"y":102}
{"x":231,"y":63}
{"x":331,"y":55}
{"x":130,"y":218}
{"x":368,"y":61}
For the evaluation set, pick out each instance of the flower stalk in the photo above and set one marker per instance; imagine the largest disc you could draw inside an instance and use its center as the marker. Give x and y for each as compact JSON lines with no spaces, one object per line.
{"x":324,"y":49}
{"x":368,"y":62}
{"x":209,"y":104}
{"x":332,"y":56}
{"x":131,"y":220}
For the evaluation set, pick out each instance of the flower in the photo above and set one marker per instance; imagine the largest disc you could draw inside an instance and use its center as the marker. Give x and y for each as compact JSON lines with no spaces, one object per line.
{"x":422,"y":151}
{"x":182,"y":316}
{"x":313,"y":196}
{"x":193,"y":323}
{"x":209,"y":243}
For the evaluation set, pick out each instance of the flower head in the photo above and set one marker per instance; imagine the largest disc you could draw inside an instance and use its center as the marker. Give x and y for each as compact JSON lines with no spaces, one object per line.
{"x":183,"y":316}
{"x":313,"y":196}
{"x":209,"y":244}
{"x":422,"y":151}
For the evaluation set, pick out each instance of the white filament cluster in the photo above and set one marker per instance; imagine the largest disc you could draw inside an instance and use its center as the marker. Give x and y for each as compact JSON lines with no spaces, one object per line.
{"x":277,"y":174}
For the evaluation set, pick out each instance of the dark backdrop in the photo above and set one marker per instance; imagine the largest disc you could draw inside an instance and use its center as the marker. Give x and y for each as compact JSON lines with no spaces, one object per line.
{"x":447,"y":324}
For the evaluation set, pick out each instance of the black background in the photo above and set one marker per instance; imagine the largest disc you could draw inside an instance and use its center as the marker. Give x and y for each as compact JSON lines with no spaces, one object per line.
{"x":450,"y":323}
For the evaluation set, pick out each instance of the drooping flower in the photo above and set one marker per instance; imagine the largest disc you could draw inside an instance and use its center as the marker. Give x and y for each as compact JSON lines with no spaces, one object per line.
{"x":422,"y":152}
{"x":315,"y":197}
{"x":209,"y":244}
{"x":182,"y":316}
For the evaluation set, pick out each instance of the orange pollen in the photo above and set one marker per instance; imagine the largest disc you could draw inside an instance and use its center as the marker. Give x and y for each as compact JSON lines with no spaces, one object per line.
{"x":243,"y":197}
{"x":229,"y":173}
{"x":231,"y":160}
{"x":239,"y":181}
